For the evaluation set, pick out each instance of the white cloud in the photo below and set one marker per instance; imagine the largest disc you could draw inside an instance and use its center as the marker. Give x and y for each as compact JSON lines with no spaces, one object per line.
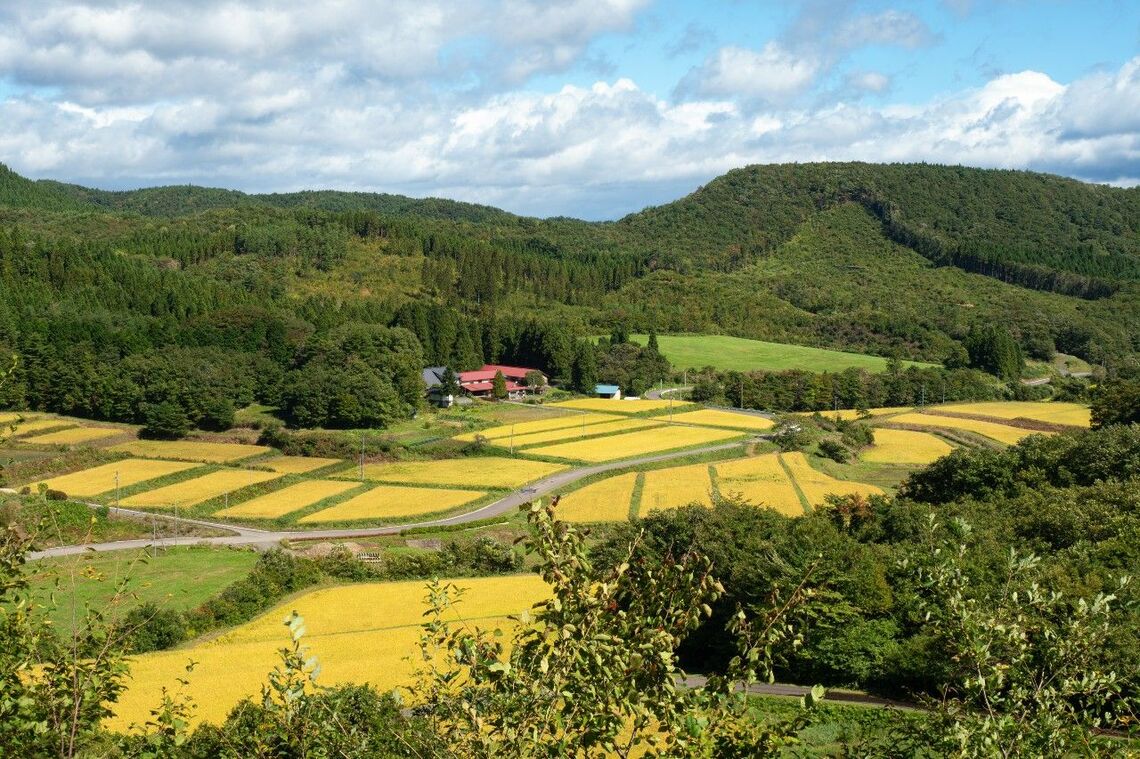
{"x":330,"y":95}
{"x":869,"y":81}
{"x":772,"y":73}
{"x":890,"y":27}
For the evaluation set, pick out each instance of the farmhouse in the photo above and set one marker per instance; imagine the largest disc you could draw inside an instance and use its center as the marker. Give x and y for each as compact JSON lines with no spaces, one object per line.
{"x":479,"y":382}
{"x":433,"y":380}
{"x":608,"y":391}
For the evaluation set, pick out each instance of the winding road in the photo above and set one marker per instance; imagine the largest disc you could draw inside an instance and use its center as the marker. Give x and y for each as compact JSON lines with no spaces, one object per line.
{"x":251,"y":536}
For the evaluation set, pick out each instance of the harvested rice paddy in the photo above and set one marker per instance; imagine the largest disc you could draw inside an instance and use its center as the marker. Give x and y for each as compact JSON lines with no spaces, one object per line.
{"x":733,"y":421}
{"x":386,"y":502}
{"x":288,"y":499}
{"x":607,"y":500}
{"x":676,"y":486}
{"x":74,"y":436}
{"x":1072,"y":414}
{"x":905,"y":447}
{"x":760,"y":480}
{"x":476,"y":471}
{"x":199,"y":489}
{"x":191,"y":450}
{"x":297,"y":464}
{"x":538,"y":425}
{"x":360,"y":633}
{"x":624,"y":406}
{"x":635,"y":443}
{"x":1000,"y":432}
{"x":816,"y":485}
{"x":101,"y":479}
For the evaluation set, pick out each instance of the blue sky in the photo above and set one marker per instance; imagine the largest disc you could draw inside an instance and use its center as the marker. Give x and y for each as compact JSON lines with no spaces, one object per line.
{"x":593,"y":109}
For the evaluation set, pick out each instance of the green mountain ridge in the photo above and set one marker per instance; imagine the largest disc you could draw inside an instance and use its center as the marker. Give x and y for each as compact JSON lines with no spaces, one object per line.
{"x":898,"y":259}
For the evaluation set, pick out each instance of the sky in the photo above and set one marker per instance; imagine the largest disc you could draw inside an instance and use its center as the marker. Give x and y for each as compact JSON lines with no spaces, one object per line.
{"x":587,"y":108}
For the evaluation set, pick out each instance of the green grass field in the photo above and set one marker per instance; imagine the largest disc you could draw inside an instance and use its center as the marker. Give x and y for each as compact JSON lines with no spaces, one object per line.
{"x":177,"y":578}
{"x":740,"y":354}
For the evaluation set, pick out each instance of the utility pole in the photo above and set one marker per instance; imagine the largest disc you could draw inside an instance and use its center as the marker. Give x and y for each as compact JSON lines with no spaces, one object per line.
{"x":176,"y":524}
{"x":512,"y":440}
{"x":670,"y":408}
{"x":922,"y":400}
{"x":116,"y":488}
{"x":153,"y":536}
{"x":362,"y":455}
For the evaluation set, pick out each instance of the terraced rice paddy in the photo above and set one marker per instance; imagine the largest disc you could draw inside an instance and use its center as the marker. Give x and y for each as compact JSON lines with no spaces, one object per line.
{"x":569,"y":433}
{"x":1072,"y":414}
{"x":728,"y":419}
{"x":634,"y":406}
{"x":360,"y":633}
{"x":74,"y":436}
{"x":477,"y":471}
{"x":676,"y":486}
{"x":9,"y":417}
{"x":816,"y":485}
{"x":101,"y":479}
{"x":34,"y":425}
{"x":200,"y":489}
{"x":297,"y":464}
{"x":905,"y":447}
{"x":537,"y":425}
{"x":849,"y":414}
{"x":633,"y":444}
{"x":607,"y":500}
{"x":387,"y":502}
{"x":288,"y":499}
{"x":760,"y":480}
{"x":191,"y":450}
{"x":993,"y":430}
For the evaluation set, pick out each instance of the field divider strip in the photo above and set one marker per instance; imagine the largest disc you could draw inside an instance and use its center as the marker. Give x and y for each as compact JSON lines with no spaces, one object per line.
{"x":795,"y":484}
{"x":635,"y":496}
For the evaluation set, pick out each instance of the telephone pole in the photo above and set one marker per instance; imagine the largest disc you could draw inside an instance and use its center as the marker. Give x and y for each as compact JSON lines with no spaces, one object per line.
{"x":362,"y":455}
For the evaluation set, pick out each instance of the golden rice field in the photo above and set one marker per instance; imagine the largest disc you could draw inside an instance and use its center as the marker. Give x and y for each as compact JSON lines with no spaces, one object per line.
{"x":635,"y":443}
{"x":905,"y":447}
{"x":200,"y":489}
{"x":607,"y":500}
{"x":849,"y":414}
{"x":34,"y":425}
{"x":1000,"y":432}
{"x":537,"y":425}
{"x":816,"y":485}
{"x":74,"y":436}
{"x":296,"y":464}
{"x":1073,"y":414}
{"x":760,"y":480}
{"x":569,"y":433}
{"x":713,"y":418}
{"x":8,"y":417}
{"x":477,"y":471}
{"x":386,"y":502}
{"x":624,"y":406}
{"x":360,"y":633}
{"x":287,"y":499}
{"x":191,"y":450}
{"x":676,"y":486}
{"x":101,"y":479}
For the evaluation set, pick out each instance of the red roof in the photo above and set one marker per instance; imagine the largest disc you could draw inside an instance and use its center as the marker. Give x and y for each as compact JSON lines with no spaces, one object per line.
{"x":478,"y":387}
{"x":487,"y":373}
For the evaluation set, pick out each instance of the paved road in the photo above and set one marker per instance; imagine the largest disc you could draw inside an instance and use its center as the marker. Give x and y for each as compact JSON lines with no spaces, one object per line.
{"x":798,"y":691}
{"x":655,"y":395}
{"x":265,"y":538}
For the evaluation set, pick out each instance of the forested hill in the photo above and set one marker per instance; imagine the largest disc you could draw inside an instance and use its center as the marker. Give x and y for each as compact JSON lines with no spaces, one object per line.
{"x":896,"y":260}
{"x":1004,"y":223}
{"x":181,"y":200}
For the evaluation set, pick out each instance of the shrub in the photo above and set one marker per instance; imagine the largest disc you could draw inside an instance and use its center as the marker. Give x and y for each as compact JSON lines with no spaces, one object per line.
{"x":834,"y":450}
